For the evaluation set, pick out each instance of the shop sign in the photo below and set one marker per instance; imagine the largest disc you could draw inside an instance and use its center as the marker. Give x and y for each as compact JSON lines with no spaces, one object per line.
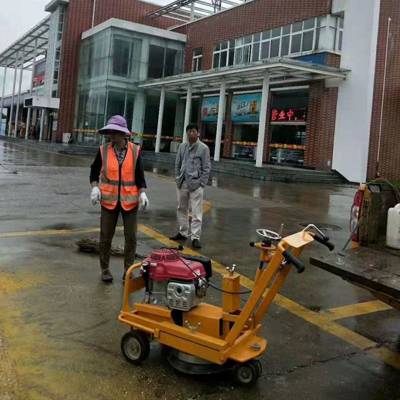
{"x":288,"y":115}
{"x":246,"y":107}
{"x":209,"y":109}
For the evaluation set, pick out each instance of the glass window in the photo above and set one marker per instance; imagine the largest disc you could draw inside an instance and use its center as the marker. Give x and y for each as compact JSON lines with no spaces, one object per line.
{"x":156,"y":61}
{"x":275,"y":48}
{"x":216,"y":60}
{"x":121,"y":57}
{"x":248,"y":39}
{"x":239,"y":42}
{"x":285,"y":46}
{"x":246,"y":54}
{"x":116,"y":103}
{"x":256,"y":37}
{"x":340,"y":40}
{"x":239,"y":55}
{"x":265,"y":50}
{"x":286,"y":30}
{"x":266,"y":35}
{"x":296,"y":27}
{"x":309,"y":24}
{"x":296,"y":43}
{"x":223,"y":45}
{"x":170,"y":57}
{"x":197,"y":59}
{"x":276,"y":32}
{"x":231,"y":56}
{"x":256,"y":52}
{"x":308,"y":38}
{"x":223,"y":57}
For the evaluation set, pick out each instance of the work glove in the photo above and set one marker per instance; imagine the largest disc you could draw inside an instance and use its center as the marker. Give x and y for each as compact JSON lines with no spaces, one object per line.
{"x":143,"y":201}
{"x":95,"y":195}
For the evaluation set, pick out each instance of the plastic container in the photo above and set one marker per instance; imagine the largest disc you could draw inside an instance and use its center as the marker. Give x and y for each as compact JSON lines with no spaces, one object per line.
{"x":393,"y":227}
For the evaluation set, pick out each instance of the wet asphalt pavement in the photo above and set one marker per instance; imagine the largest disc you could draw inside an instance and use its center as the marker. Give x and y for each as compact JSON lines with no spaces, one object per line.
{"x":59,"y":334}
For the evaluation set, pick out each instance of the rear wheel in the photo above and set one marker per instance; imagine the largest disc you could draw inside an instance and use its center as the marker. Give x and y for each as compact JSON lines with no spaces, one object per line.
{"x":247,"y":374}
{"x":135,"y":346}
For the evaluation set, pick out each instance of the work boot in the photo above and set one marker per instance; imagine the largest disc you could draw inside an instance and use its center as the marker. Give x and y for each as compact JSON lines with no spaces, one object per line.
{"x":106,"y":276}
{"x":196,"y":244}
{"x":178,"y":237}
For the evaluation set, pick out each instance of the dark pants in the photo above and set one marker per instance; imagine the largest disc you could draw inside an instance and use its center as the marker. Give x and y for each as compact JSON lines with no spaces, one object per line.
{"x":108,"y":223}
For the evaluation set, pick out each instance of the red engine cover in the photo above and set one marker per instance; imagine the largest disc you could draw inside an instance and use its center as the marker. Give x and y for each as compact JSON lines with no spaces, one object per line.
{"x":165,"y":265}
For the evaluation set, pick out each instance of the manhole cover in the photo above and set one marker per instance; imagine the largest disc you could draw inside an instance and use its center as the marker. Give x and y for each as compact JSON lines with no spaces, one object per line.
{"x":323,"y":227}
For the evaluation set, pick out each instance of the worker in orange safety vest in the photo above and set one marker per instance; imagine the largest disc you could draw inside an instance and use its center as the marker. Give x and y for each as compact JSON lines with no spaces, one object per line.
{"x":118,"y":183}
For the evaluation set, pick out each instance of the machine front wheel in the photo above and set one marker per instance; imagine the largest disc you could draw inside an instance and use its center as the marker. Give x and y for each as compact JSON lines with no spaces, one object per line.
{"x":247,"y":374}
{"x":135,"y":346}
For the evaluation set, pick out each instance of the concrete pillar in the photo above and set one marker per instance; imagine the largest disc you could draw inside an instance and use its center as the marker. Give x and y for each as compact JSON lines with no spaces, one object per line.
{"x":160,"y":119}
{"x":220,"y":120}
{"x":144,"y":57}
{"x":21,"y":73}
{"x":13,"y":96}
{"x":179,"y":116}
{"x":42,"y":117}
{"x":139,"y":109}
{"x":263,"y":120}
{"x":188,"y":110}
{"x":2,"y":98}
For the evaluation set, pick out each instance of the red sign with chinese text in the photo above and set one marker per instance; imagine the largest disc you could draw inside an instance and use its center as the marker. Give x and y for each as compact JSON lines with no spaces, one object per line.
{"x":288,"y":115}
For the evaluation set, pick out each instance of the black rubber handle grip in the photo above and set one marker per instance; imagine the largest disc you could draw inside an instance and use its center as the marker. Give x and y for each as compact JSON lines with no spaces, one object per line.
{"x":291,"y":259}
{"x":324,"y":240}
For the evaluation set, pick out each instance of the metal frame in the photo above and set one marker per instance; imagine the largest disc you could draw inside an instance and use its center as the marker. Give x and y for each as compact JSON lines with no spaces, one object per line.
{"x":32,"y":43}
{"x":280,"y":71}
{"x":190,"y":10}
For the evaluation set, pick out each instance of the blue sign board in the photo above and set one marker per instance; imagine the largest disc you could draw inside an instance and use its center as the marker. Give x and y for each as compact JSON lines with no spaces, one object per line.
{"x":246,"y":107}
{"x":209,"y":109}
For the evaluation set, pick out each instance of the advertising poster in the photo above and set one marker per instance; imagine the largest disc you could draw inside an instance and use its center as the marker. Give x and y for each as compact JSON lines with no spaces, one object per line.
{"x":246,"y":107}
{"x":209,"y":109}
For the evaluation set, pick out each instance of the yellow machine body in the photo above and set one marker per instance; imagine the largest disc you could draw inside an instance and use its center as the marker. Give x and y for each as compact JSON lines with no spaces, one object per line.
{"x":212,"y":333}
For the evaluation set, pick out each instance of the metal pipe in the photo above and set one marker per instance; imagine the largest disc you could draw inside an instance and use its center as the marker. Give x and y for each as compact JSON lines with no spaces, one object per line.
{"x":160,"y":119}
{"x":263,"y":121}
{"x":220,"y":120}
{"x":28,"y":117}
{"x":21,"y":73}
{"x":2,"y":97}
{"x":378,"y":154}
{"x":13,"y":96}
{"x":188,"y":110}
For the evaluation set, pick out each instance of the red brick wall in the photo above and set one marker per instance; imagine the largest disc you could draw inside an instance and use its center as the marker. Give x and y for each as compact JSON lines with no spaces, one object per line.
{"x":79,"y":19}
{"x":389,"y":165}
{"x":257,"y":16}
{"x":321,"y":126}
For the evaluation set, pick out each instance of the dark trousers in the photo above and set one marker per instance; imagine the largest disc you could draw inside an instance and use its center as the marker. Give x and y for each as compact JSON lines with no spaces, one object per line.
{"x":108,"y":223}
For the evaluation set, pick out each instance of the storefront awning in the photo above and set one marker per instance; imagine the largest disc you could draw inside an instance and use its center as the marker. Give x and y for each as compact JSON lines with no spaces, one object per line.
{"x":33,"y":43}
{"x":280,"y":71}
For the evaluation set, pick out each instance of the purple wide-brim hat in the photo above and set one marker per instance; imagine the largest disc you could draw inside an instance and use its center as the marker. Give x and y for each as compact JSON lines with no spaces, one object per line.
{"x":116,"y":124}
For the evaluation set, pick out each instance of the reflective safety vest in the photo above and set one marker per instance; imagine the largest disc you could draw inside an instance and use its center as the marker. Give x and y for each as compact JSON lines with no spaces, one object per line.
{"x":117,"y":182}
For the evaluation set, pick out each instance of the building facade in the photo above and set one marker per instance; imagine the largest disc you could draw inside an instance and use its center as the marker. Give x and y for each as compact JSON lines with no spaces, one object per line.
{"x":312,"y":84}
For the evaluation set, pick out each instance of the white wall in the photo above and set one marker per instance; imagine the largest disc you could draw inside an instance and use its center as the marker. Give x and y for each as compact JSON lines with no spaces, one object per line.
{"x":353,"y":117}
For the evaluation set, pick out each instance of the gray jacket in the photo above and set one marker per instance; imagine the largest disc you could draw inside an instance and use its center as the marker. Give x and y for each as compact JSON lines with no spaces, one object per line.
{"x":192,"y":165}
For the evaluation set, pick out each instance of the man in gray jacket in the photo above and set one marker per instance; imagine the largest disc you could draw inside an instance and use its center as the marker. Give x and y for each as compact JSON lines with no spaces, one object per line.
{"x":192,"y":170}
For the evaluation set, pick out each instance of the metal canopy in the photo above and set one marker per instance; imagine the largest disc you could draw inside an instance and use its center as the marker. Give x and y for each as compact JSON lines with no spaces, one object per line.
{"x":24,"y":48}
{"x":280,"y":71}
{"x":190,"y":10}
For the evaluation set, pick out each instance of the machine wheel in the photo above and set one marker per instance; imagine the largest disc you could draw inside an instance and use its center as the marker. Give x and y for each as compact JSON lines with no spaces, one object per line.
{"x":135,"y":346}
{"x":247,"y":374}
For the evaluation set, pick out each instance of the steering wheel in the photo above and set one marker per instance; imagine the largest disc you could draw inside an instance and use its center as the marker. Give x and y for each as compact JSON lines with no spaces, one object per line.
{"x":267,"y":234}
